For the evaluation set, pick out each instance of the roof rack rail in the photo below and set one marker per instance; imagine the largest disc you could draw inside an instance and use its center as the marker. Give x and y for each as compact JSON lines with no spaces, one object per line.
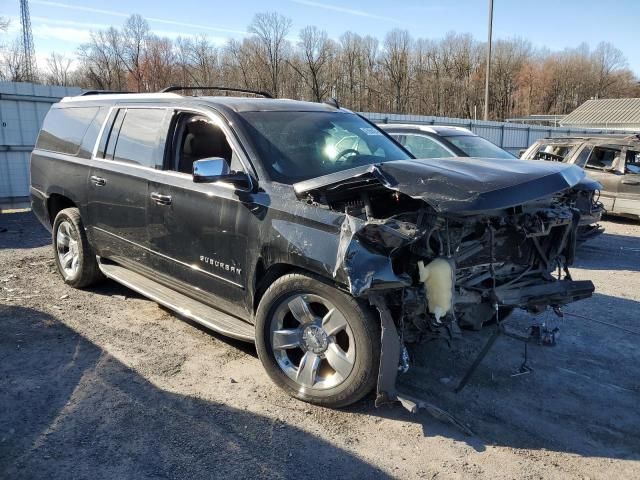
{"x":174,"y":88}
{"x":100,"y":92}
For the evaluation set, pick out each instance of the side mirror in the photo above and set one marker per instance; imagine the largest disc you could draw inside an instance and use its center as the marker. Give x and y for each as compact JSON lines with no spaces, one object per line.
{"x":216,"y":169}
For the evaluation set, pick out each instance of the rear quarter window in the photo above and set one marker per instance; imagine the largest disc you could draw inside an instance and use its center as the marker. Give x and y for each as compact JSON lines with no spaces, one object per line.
{"x":64,"y":129}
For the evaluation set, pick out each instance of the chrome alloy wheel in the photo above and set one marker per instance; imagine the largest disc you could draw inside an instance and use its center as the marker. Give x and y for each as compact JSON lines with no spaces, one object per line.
{"x":67,"y":248}
{"x":312,"y":341}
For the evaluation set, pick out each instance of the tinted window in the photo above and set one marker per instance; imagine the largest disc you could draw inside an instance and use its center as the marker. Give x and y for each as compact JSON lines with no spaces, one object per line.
{"x":478,"y":147}
{"x":137,"y":140}
{"x":602,"y":158}
{"x":295,"y":146}
{"x":64,"y":129}
{"x":422,"y":146}
{"x":91,"y":135}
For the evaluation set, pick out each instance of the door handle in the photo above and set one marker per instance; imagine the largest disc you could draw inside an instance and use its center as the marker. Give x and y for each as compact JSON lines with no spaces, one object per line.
{"x":98,"y":181}
{"x":161,"y":199}
{"x":631,"y":182}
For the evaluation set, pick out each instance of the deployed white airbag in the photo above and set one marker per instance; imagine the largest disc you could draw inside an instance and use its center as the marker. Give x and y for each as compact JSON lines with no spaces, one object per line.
{"x":437,"y":277}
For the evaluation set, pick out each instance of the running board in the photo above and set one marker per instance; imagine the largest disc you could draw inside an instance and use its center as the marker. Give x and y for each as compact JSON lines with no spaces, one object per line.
{"x":216,"y":320}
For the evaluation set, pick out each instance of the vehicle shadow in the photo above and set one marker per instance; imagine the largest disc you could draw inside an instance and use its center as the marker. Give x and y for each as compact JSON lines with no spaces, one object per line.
{"x":68,"y":409}
{"x":621,"y":220}
{"x":22,"y":230}
{"x":581,"y":397}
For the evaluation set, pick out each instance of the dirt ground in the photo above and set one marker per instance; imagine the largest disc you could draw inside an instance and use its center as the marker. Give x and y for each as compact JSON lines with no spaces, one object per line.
{"x":105,"y":384}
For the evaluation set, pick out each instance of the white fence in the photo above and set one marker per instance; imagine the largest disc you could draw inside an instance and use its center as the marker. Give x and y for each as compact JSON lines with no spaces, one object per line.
{"x":23,"y":107}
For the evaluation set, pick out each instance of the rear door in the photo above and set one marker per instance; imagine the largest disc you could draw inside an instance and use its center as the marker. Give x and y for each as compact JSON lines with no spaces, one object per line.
{"x":131,"y":147}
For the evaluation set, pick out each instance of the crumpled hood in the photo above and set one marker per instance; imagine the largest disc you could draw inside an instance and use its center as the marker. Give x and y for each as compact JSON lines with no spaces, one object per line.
{"x":456,"y":185}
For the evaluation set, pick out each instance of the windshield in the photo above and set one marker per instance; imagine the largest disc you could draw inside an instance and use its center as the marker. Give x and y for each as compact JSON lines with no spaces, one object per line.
{"x":296,"y":146}
{"x":478,"y":147}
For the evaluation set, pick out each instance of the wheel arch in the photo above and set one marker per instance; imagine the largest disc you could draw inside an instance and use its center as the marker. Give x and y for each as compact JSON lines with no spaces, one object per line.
{"x":57,"y":202}
{"x":265,"y":275}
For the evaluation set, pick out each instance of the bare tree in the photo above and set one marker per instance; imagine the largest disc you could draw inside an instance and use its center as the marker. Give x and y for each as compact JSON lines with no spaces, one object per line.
{"x":135,"y":34}
{"x":12,"y":64}
{"x":271,"y":30}
{"x":58,"y":69}
{"x":317,"y":51}
{"x":159,"y":64}
{"x":4,"y":24}
{"x":396,"y":63}
{"x":101,"y":61}
{"x":607,"y":59}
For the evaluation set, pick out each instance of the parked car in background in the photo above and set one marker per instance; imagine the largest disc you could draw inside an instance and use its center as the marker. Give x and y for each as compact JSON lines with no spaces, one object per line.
{"x":613,"y":160}
{"x":434,"y":141}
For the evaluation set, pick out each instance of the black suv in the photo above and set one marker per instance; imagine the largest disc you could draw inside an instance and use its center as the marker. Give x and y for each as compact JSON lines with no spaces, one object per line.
{"x":300,"y":226}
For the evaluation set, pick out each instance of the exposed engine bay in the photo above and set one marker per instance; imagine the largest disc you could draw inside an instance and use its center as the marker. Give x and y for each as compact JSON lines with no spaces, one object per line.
{"x":432,"y":263}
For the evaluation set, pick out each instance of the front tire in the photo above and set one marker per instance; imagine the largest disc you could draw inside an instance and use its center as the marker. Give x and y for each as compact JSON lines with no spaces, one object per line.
{"x":74,"y":256}
{"x":317,"y":343}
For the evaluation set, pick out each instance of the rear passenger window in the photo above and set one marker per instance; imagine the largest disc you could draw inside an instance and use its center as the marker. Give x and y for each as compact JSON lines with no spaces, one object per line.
{"x":64,"y":129}
{"x":137,"y":140}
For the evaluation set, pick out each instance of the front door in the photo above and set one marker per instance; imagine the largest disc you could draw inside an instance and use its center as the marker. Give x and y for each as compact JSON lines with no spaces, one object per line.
{"x":118,"y":184}
{"x":198,"y":232}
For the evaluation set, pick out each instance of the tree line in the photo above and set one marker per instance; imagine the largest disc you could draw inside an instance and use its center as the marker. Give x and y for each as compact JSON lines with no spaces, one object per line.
{"x":400,"y":73}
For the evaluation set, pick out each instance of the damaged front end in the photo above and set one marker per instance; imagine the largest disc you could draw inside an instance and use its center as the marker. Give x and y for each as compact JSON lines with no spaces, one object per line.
{"x":436,"y":248}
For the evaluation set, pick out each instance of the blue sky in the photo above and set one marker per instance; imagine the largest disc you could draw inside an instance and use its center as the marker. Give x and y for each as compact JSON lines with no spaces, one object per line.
{"x":61,"y":25}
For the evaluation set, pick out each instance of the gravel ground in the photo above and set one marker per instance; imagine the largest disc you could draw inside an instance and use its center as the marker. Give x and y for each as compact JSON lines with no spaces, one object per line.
{"x":103,"y":383}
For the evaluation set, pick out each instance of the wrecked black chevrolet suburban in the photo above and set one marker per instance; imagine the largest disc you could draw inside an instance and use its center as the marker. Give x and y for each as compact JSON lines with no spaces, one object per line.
{"x":300,"y":226}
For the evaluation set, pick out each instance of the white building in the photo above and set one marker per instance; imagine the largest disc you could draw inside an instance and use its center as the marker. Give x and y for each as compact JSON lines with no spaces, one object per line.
{"x":617,"y":113}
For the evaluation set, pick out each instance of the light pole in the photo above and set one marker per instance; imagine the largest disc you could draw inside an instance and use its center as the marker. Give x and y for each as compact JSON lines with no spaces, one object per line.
{"x":486,"y":80}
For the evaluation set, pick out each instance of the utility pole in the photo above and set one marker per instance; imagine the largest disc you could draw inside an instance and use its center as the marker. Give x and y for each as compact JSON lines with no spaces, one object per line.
{"x":28,"y":50}
{"x":486,"y":80}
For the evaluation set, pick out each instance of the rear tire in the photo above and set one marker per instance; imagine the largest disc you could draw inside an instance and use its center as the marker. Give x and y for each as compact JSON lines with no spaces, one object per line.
{"x":74,"y":256}
{"x":317,"y":343}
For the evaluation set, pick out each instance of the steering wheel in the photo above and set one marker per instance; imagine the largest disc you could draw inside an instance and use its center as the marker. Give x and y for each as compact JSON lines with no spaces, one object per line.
{"x":345,"y":152}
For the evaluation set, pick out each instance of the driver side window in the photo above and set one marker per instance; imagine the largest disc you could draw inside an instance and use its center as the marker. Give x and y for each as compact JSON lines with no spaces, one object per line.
{"x":196,"y":137}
